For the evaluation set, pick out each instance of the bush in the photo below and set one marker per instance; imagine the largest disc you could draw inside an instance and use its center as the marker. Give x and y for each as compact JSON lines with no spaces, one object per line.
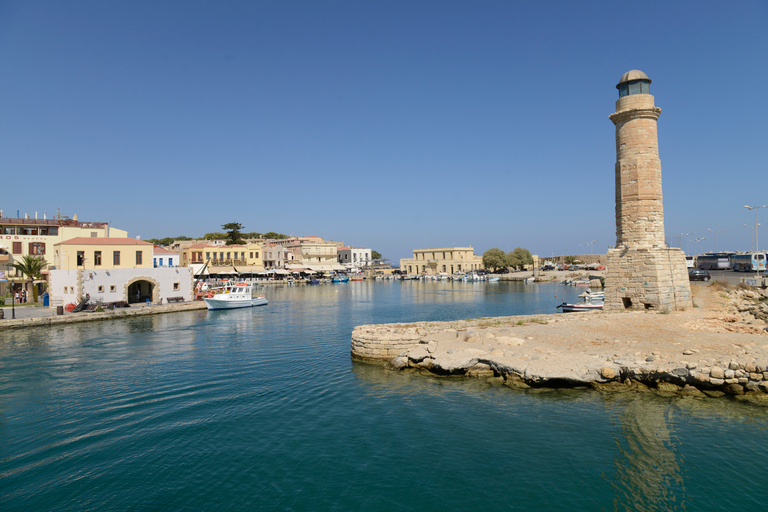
{"x":2,"y":301}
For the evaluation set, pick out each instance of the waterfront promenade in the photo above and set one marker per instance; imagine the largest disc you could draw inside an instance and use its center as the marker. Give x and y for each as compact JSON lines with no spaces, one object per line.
{"x":718,"y":347}
{"x":30,"y":316}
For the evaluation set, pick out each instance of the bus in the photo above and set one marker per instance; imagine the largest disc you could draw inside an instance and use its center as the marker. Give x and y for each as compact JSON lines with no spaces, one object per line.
{"x":717,"y":261}
{"x":750,"y":262}
{"x":689,"y":262}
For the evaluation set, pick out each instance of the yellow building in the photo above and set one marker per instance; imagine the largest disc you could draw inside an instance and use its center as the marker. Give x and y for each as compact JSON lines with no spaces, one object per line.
{"x":21,"y":237}
{"x":102,"y":253}
{"x":442,"y":260}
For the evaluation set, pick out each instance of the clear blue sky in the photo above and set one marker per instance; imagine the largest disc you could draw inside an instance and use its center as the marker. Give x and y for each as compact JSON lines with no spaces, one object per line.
{"x":392,"y":125}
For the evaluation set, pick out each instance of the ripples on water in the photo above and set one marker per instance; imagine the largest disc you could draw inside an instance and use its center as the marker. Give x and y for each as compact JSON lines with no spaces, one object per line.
{"x":263,"y":409}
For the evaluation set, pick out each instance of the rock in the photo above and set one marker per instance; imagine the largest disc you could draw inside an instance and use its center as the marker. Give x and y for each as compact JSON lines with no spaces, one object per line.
{"x":687,"y":352}
{"x":750,"y":368}
{"x":399,"y":362}
{"x":431,"y":347}
{"x":702,"y":377}
{"x":457,"y":361}
{"x":506,"y":340}
{"x":713,"y":393}
{"x":734,"y":389}
{"x":608,"y":373}
{"x":691,"y":390}
{"x":729,"y":374}
{"x":418,"y":354}
{"x":667,"y":387}
{"x":692,"y":366}
{"x":733,"y":365}
{"x":650,"y":358}
{"x":756,"y":376}
{"x":717,"y":373}
{"x":763,"y":386}
{"x":716,"y":382}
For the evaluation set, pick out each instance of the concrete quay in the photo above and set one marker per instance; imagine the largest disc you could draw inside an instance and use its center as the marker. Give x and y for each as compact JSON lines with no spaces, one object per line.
{"x":719,"y":347}
{"x":39,"y":316}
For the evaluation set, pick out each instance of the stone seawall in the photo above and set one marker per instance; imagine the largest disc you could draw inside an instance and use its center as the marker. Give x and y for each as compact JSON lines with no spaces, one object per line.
{"x":694,"y":352}
{"x":70,"y":318}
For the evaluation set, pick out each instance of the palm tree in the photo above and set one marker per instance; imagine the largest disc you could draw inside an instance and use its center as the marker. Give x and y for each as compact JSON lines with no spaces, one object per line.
{"x":32,"y":267}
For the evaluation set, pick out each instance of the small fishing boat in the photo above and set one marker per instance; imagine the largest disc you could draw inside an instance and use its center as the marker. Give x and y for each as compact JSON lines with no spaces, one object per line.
{"x":234,"y":296}
{"x":587,"y":305}
{"x":340,"y":279}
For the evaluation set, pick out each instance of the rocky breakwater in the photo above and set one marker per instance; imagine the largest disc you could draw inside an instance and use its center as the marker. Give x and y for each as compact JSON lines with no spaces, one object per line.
{"x":714,"y":349}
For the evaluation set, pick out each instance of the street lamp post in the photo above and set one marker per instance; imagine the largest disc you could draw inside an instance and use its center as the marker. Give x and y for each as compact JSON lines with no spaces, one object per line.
{"x":757,"y":243}
{"x":716,"y":231}
{"x":687,"y":242}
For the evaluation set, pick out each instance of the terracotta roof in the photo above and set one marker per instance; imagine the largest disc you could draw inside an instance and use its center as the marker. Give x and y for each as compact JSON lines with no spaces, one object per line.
{"x":87,"y":240}
{"x":161,"y":250}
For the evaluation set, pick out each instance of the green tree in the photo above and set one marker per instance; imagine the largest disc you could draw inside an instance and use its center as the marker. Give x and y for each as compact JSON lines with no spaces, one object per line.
{"x":234,"y":236}
{"x":495,"y":258}
{"x":520,"y":257}
{"x":375,"y":255}
{"x":570,"y":260}
{"x":215,"y":236}
{"x":274,"y":236}
{"x":32,"y":267}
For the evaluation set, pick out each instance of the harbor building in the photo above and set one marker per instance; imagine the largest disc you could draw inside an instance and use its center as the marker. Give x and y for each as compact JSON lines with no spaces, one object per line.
{"x":442,"y":260}
{"x":642,"y":272}
{"x":112,"y":270}
{"x":25,"y":236}
{"x":354,"y":258}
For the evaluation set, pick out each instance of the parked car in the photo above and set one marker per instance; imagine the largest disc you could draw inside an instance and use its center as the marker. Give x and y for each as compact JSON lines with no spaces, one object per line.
{"x":482,"y":272}
{"x":698,"y":275}
{"x":502,"y":271}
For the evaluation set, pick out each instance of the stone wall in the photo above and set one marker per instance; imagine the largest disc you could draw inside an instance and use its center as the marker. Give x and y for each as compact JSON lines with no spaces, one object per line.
{"x":647,"y":279}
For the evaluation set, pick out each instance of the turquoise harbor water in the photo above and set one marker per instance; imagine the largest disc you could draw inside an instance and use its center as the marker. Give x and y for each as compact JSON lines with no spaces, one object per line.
{"x":262,"y":409}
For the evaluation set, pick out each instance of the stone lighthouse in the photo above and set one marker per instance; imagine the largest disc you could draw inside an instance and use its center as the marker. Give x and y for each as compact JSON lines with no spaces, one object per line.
{"x":642,"y":272}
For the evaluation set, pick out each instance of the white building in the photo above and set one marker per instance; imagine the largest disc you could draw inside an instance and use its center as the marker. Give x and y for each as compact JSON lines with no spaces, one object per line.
{"x":354,"y":257}
{"x":165,"y":258}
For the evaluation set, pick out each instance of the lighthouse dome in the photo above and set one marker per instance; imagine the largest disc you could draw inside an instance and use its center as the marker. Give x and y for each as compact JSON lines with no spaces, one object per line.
{"x":634,"y":82}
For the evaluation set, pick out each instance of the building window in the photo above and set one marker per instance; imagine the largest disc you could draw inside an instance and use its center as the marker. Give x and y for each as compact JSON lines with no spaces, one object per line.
{"x":80,"y":258}
{"x":101,"y":288}
{"x":36,"y":248}
{"x":112,"y":288}
{"x":175,"y":286}
{"x":229,"y":255}
{"x":94,"y":234}
{"x":208,"y":256}
{"x":16,"y":247}
{"x":116,"y":257}
{"x":139,"y":257}
{"x":161,"y":262}
{"x":96,"y":258}
{"x":251,"y":254}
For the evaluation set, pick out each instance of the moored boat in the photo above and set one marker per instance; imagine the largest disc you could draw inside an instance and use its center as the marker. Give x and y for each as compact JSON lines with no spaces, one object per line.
{"x":581,"y":306}
{"x":234,"y":296}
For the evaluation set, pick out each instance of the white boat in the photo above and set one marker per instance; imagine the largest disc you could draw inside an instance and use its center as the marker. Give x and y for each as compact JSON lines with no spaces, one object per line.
{"x":587,"y":305}
{"x":529,"y":280}
{"x":234,"y":296}
{"x":590,"y":295}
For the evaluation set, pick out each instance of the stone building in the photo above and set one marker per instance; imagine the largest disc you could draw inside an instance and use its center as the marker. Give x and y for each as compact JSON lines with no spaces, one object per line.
{"x":642,"y":272}
{"x":442,"y":260}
